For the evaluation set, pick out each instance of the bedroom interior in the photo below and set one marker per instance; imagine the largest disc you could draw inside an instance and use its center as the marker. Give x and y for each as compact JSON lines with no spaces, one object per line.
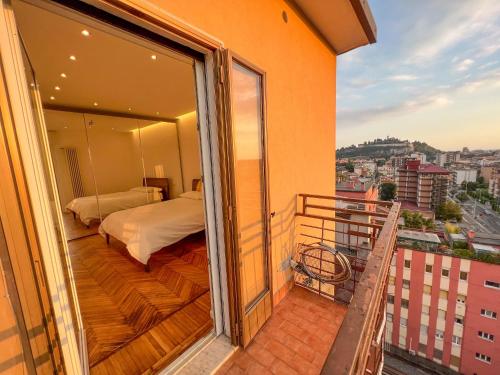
{"x":118,"y":117}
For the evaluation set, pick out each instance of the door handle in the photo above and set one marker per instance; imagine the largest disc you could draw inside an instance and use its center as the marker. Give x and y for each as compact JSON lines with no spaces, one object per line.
{"x":273,"y":214}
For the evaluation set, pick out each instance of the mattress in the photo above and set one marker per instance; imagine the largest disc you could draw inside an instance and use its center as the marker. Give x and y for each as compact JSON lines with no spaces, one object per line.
{"x":88,"y":209}
{"x":147,"y":229}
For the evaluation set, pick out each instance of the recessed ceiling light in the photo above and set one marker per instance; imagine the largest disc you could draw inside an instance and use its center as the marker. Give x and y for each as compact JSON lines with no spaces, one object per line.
{"x":96,"y":104}
{"x":32,"y":84}
{"x":112,"y":128}
{"x":52,"y":98}
{"x":157,"y":113}
{"x":85,"y":33}
{"x":65,"y":127}
{"x":72,"y":57}
{"x":154,"y":57}
{"x":129,"y":108}
{"x":63,"y":75}
{"x":57,"y":88}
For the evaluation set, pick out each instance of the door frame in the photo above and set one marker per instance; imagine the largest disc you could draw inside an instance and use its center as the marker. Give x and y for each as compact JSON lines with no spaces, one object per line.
{"x":146,"y":16}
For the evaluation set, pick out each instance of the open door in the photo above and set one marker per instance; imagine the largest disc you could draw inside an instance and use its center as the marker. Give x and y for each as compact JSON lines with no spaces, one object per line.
{"x":248,"y":197}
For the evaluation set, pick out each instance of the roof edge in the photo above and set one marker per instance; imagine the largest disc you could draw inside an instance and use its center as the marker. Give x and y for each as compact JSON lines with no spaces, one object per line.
{"x":365,"y":16}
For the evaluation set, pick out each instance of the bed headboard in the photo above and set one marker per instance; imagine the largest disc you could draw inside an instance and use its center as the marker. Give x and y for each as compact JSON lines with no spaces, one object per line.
{"x":161,"y":183}
{"x":194,"y":184}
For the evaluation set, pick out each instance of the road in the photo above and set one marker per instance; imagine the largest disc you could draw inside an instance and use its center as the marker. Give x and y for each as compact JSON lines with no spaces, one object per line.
{"x":485,"y":219}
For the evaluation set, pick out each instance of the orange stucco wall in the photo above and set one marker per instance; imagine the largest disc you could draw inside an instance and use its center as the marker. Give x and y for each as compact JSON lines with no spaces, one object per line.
{"x":300,"y":72}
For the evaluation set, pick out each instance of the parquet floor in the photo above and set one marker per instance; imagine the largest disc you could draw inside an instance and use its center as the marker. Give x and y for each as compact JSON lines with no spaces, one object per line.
{"x":74,"y":228}
{"x":127,"y":310}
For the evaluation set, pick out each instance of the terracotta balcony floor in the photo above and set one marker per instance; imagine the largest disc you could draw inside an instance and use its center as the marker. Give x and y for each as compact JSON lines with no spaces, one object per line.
{"x":296,"y":339}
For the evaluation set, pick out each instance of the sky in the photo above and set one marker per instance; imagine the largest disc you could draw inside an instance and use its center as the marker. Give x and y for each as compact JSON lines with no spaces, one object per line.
{"x":432,"y":76}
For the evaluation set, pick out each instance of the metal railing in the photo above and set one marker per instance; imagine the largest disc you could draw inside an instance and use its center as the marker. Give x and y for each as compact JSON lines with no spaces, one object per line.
{"x":365,"y":231}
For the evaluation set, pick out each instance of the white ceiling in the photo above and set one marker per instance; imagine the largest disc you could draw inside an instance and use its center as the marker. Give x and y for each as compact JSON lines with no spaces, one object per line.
{"x":112,"y":68}
{"x":67,"y":121}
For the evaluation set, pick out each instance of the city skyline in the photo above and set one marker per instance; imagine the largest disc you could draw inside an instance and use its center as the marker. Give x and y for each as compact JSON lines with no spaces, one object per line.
{"x":435,"y":80}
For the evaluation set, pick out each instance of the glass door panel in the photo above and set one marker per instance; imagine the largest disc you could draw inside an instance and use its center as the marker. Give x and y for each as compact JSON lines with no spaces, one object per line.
{"x":247,"y":169}
{"x":250,"y":187}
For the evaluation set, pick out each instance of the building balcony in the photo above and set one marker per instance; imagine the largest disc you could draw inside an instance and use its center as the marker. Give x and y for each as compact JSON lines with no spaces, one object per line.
{"x":330,"y":328}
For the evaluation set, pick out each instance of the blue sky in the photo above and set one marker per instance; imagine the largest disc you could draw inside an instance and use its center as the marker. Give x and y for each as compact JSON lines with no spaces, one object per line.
{"x":433,"y":76}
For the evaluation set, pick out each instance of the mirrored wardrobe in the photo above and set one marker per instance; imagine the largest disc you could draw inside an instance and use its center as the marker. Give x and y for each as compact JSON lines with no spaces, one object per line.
{"x":110,"y":162}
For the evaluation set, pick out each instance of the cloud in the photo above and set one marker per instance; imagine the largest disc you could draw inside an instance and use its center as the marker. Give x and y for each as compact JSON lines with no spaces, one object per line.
{"x":403,"y":77}
{"x":360,"y":117}
{"x":451,"y":25}
{"x":464,"y":65}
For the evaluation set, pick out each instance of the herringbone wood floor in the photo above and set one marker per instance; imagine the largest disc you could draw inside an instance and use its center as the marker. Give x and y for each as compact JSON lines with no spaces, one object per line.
{"x":120,"y":302}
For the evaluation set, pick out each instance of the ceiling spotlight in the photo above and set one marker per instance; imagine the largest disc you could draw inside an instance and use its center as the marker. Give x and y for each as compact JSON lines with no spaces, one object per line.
{"x":153,"y":57}
{"x":57,"y":88}
{"x":129,"y":108}
{"x":65,"y":127}
{"x":157,"y":113}
{"x":52,"y":98}
{"x":32,"y":84}
{"x":112,"y":128}
{"x":85,"y":33}
{"x":72,"y":58}
{"x":96,"y":104}
{"x":63,"y":75}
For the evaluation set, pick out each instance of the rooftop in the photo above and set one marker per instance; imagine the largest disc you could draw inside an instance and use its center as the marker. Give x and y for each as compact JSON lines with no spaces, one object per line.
{"x":478,"y":247}
{"x":419,"y":236}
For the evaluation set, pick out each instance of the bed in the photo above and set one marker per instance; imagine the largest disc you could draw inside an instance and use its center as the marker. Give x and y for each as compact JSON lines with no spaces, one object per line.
{"x":92,"y":208}
{"x":147,"y":229}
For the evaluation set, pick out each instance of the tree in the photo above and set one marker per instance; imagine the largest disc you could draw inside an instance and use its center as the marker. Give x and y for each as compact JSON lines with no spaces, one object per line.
{"x":387,"y":191}
{"x":349,"y":166}
{"x":416,"y":220}
{"x":462,"y":196}
{"x":449,"y":211}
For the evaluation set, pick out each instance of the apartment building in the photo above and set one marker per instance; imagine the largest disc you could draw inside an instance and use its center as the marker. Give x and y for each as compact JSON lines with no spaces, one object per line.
{"x":196,"y":94}
{"x":461,"y":175}
{"x":447,"y":158}
{"x":494,"y":184}
{"x":442,"y":310}
{"x":423,"y":185}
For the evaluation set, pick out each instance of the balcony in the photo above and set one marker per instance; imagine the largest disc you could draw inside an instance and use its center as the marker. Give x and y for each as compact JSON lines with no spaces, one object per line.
{"x":324,"y":328}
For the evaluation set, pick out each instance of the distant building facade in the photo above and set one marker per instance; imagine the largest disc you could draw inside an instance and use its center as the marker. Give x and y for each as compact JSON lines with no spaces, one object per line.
{"x":464,"y":175}
{"x":443,"y":310}
{"x":494,"y":184}
{"x":423,"y":185}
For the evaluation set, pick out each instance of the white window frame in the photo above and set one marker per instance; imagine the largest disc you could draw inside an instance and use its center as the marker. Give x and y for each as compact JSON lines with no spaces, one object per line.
{"x":456,"y":340}
{"x":439,"y":334}
{"x":489,"y":314}
{"x":483,"y":358}
{"x":497,"y":286}
{"x":486,"y":336}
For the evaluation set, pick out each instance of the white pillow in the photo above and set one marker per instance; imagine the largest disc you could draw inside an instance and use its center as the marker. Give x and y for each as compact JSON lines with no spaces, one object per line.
{"x":146,"y":189}
{"x":196,"y":195}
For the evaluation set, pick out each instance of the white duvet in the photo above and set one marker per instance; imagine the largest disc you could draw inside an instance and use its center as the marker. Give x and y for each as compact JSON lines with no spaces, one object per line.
{"x":147,"y":229}
{"x":87,"y":209}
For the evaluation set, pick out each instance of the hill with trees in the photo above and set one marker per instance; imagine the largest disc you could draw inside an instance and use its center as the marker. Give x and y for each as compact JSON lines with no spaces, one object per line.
{"x":385,"y":148}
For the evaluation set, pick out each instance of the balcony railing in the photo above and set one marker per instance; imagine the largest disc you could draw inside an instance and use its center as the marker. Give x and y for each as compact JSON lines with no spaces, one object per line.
{"x":365,"y":232}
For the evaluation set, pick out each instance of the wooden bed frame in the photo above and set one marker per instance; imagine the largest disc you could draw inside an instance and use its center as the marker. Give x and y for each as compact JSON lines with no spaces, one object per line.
{"x":158,"y":182}
{"x":155,"y":182}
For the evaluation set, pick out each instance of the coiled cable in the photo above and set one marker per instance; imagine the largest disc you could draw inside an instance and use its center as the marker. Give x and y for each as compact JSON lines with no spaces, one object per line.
{"x":342,"y":269}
